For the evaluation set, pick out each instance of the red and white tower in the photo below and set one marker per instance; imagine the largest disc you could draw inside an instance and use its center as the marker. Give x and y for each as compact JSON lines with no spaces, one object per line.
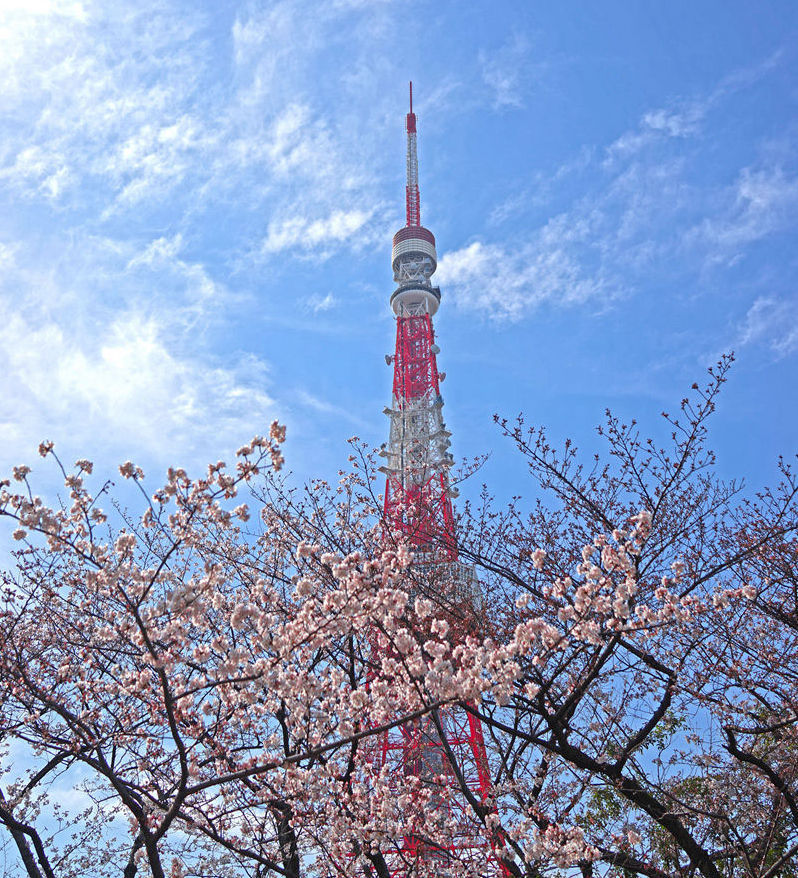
{"x":448,"y":751}
{"x":417,"y":494}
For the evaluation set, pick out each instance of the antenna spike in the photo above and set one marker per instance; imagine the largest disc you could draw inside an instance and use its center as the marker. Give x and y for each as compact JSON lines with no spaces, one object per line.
{"x":413,"y":200}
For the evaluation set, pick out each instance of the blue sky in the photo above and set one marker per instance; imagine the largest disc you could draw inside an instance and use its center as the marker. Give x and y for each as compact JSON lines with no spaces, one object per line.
{"x":197,"y":201}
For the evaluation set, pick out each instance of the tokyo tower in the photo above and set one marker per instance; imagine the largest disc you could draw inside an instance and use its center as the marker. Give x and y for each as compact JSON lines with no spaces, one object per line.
{"x":445,"y":752}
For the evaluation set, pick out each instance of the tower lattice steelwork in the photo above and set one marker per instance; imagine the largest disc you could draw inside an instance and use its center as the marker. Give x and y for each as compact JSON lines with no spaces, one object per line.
{"x":447,"y":751}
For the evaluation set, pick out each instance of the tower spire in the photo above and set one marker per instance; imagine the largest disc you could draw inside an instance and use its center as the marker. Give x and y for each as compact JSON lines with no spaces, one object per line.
{"x":412,"y":195}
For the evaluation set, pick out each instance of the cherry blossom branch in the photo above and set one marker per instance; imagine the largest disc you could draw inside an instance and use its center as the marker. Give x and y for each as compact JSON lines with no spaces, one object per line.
{"x":778,"y":782}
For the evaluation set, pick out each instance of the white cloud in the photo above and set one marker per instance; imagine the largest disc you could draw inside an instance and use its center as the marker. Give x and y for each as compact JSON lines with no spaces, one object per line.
{"x":101,"y":103}
{"x":187,"y":289}
{"x":674,"y":124}
{"x":41,"y":172}
{"x":123,"y":372}
{"x":158,"y":251}
{"x":642,"y":216}
{"x":595,"y":251}
{"x":684,"y":117}
{"x":657,"y":125}
{"x":318,"y":304}
{"x":539,"y":192}
{"x":301,"y":233}
{"x":114,"y":104}
{"x":504,"y":72}
{"x":773,"y":322}
{"x":138,"y":136}
{"x":506,"y":283}
{"x":640,"y":210}
{"x":760,"y":202}
{"x":43,"y":7}
{"x":128,"y":388}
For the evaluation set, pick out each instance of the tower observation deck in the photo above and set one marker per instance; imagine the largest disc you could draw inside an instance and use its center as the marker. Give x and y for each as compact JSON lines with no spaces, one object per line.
{"x":446,"y":752}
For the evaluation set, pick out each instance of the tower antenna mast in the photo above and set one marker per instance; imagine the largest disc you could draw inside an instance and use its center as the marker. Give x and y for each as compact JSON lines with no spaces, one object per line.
{"x":411,"y":190}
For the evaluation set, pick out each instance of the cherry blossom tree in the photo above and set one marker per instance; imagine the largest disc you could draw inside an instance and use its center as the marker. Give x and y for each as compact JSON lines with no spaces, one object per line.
{"x":210,"y":676}
{"x":660,"y":732}
{"x":211,"y":683}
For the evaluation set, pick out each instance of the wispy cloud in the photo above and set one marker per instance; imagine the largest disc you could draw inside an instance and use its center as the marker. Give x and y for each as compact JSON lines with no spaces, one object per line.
{"x":318,"y":304}
{"x":637,"y":209}
{"x":129,"y":374}
{"x":505,"y":72}
{"x":305,"y":234}
{"x":115,"y":101}
{"x":154,"y":154}
{"x":127,"y":390}
{"x":772,"y":322}
{"x":595,"y":251}
{"x":655,"y":125}
{"x":539,"y":192}
{"x":684,"y":116}
{"x":507,"y":283}
{"x":760,"y":202}
{"x":86,"y":111}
